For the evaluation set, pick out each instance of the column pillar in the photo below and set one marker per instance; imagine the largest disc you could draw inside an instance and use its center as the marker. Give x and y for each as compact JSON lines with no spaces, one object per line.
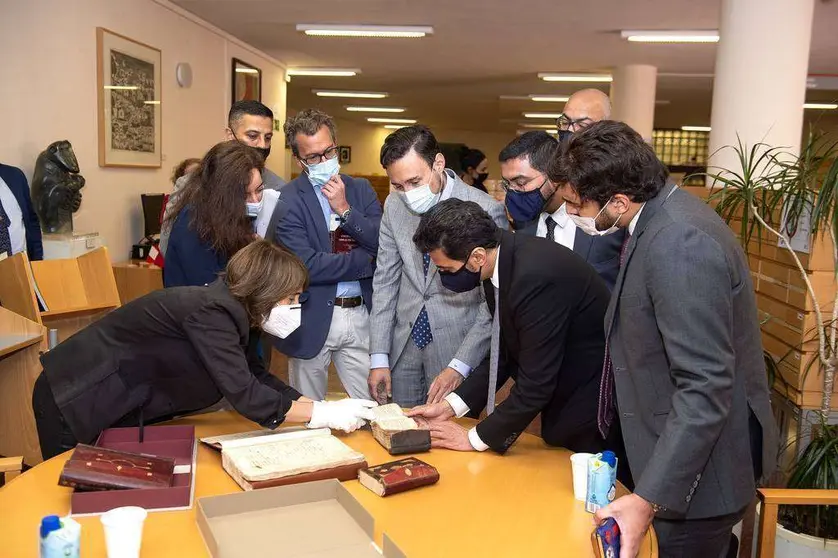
{"x":633,"y":97}
{"x":760,"y":80}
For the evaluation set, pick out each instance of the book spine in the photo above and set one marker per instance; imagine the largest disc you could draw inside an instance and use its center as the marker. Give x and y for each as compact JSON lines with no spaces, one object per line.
{"x":97,"y":481}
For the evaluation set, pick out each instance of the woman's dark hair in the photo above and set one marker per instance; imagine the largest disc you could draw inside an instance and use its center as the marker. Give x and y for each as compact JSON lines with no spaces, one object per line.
{"x":399,"y":143}
{"x":457,"y":227}
{"x":471,"y":159}
{"x":608,"y":158}
{"x":261,"y":274}
{"x":180,"y":170}
{"x":215,"y":195}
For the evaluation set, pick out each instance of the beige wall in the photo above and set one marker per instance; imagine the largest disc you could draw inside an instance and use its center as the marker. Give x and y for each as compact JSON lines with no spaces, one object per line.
{"x":48,"y":93}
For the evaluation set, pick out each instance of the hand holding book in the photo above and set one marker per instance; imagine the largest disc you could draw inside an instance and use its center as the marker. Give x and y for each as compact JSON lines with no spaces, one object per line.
{"x":347,"y":414}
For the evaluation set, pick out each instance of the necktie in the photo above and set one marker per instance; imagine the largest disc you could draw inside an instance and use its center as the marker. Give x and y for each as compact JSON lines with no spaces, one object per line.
{"x":493,"y":356}
{"x":5,"y":236}
{"x":421,"y":333}
{"x":605,"y":406}
{"x":551,"y":229}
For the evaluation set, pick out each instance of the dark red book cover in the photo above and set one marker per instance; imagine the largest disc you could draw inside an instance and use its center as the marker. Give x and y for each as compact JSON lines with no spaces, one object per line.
{"x":342,"y":242}
{"x":97,"y":468}
{"x":398,"y":476}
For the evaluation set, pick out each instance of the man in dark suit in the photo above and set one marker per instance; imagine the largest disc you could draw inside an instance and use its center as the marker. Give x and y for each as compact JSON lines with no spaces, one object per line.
{"x":536,"y":205}
{"x":685,"y":348}
{"x":547,"y":334}
{"x":331,"y":222}
{"x":17,"y":215}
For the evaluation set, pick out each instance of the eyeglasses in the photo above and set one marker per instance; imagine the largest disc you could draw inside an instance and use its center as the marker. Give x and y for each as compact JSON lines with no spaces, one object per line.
{"x":566,"y":123}
{"x":315,"y":158}
{"x":519,"y":186}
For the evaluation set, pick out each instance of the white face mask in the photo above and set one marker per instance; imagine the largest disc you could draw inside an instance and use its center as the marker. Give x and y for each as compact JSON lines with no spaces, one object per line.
{"x":421,"y":199}
{"x":588,"y":224}
{"x":320,"y":173}
{"x":253,"y":209}
{"x":283,"y":320}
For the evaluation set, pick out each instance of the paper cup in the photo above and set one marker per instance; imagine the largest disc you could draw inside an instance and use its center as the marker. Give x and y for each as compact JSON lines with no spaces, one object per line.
{"x":579,"y":464}
{"x":124,"y":531}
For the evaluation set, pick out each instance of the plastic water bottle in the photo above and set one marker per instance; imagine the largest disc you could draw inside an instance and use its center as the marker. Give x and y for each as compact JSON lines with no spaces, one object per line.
{"x":59,"y":537}
{"x":602,"y":481}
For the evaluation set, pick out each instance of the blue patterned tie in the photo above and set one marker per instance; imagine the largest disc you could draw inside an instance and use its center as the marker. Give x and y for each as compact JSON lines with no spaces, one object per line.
{"x":6,"y":237}
{"x":421,"y":333}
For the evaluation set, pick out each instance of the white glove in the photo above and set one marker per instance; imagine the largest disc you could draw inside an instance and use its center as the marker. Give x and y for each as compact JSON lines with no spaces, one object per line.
{"x":347,"y":414}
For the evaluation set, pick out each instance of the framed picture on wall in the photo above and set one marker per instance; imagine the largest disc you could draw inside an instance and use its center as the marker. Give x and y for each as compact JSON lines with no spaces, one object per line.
{"x":247,"y":82}
{"x":129,"y":90}
{"x":344,"y":154}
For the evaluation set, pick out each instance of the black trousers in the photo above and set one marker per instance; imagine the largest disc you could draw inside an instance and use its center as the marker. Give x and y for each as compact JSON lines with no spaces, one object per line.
{"x":53,"y":433}
{"x":696,"y":538}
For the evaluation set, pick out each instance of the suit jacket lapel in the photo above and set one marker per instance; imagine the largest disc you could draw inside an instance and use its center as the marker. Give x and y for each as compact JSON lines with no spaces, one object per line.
{"x":306,"y":191}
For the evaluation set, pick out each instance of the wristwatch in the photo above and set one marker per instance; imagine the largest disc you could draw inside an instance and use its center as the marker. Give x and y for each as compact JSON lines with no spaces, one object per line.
{"x":345,"y":215}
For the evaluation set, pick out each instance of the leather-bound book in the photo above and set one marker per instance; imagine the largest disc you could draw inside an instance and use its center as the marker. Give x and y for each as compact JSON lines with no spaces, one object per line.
{"x":96,"y":468}
{"x":398,"y":433}
{"x":398,"y":476}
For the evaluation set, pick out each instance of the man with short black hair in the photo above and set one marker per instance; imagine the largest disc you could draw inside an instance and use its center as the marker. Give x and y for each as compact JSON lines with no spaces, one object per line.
{"x":537,"y":207}
{"x":684,"y":373}
{"x":331,"y":222}
{"x":546,"y":334}
{"x":424,"y":338}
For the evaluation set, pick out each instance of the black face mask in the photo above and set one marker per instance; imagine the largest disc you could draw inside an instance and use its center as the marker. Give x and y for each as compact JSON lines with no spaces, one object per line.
{"x":265,"y":152}
{"x":481,"y":177}
{"x":564,"y":135}
{"x":460,"y":281}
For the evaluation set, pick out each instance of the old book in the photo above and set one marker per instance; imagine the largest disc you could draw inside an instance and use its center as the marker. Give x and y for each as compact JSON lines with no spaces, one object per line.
{"x":96,"y":468}
{"x":398,"y":476}
{"x":257,"y":462}
{"x":398,"y":433}
{"x":342,"y":243}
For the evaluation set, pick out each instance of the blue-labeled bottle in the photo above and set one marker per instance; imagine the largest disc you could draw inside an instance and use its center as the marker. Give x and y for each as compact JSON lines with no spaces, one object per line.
{"x":59,"y":537}
{"x":602,"y":481}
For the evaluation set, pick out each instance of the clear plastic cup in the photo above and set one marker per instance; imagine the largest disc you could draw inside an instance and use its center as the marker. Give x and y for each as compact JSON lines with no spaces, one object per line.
{"x":124,"y":531}
{"x":579,"y":465}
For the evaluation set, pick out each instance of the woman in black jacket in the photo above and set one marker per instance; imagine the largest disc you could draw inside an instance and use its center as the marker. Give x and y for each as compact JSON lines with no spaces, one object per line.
{"x":180,"y":350}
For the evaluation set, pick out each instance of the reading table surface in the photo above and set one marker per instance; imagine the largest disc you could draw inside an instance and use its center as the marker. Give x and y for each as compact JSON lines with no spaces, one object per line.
{"x":484,"y":505}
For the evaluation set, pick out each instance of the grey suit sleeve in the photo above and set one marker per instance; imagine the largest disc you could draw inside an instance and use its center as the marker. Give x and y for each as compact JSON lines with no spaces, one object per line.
{"x":475,"y":345}
{"x":385,"y":287}
{"x":690,"y":287}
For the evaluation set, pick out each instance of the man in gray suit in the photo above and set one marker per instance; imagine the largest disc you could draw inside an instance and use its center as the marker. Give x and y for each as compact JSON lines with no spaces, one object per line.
{"x":424,"y":339}
{"x":533,"y":200}
{"x":685,"y":348}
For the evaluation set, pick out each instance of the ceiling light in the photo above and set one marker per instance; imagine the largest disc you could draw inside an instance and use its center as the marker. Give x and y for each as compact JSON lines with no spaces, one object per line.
{"x":707,"y":36}
{"x":152,"y":102}
{"x":394,"y":126}
{"x":328,"y":72}
{"x":247,"y":71}
{"x":537,"y":126}
{"x":552,"y":131}
{"x":695,"y":128}
{"x":820,"y":106}
{"x":352,"y":94}
{"x":553,"y":115}
{"x":576,"y":78}
{"x":392,"y":120}
{"x":662,"y":102}
{"x":549,"y":98}
{"x":374,"y":109}
{"x":378,"y":31}
{"x":122,"y":87}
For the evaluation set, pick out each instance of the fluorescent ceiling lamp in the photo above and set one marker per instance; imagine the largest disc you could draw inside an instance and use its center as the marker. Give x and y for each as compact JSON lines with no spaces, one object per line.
{"x":374,"y":109}
{"x":350,"y":94}
{"x":696,"y":128}
{"x":549,"y":98}
{"x":380,"y":31}
{"x":327,"y":72}
{"x":152,"y":102}
{"x":820,"y":106}
{"x":553,"y":115}
{"x":552,"y":130}
{"x":537,"y":126}
{"x":122,"y":87}
{"x":576,"y":78}
{"x":247,"y":71}
{"x":392,"y":120}
{"x":394,"y":126}
{"x":707,"y":36}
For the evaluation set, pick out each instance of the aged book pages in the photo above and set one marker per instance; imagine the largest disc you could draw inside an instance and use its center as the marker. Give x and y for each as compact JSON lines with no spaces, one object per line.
{"x":391,"y":417}
{"x":281,"y":455}
{"x":219,"y":442}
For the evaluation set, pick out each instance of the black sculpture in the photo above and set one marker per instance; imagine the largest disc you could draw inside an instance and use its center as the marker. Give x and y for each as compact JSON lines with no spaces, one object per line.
{"x":56,"y":187}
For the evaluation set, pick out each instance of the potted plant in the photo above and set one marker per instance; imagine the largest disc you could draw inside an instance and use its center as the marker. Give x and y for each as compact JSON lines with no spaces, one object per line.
{"x":774,"y":191}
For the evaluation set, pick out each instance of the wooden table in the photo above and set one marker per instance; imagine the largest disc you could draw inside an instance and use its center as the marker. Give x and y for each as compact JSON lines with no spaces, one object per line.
{"x":136,"y":278}
{"x":485,"y":505}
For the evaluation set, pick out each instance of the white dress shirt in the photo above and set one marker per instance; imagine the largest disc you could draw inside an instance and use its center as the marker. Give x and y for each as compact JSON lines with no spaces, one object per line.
{"x":633,"y":222}
{"x":565,"y":232}
{"x":457,"y":404}
{"x":17,"y":230}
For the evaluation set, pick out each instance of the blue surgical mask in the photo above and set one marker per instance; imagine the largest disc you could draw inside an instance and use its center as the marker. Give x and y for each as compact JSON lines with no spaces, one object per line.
{"x":320,"y":173}
{"x":524,"y":207}
{"x":253,"y":209}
